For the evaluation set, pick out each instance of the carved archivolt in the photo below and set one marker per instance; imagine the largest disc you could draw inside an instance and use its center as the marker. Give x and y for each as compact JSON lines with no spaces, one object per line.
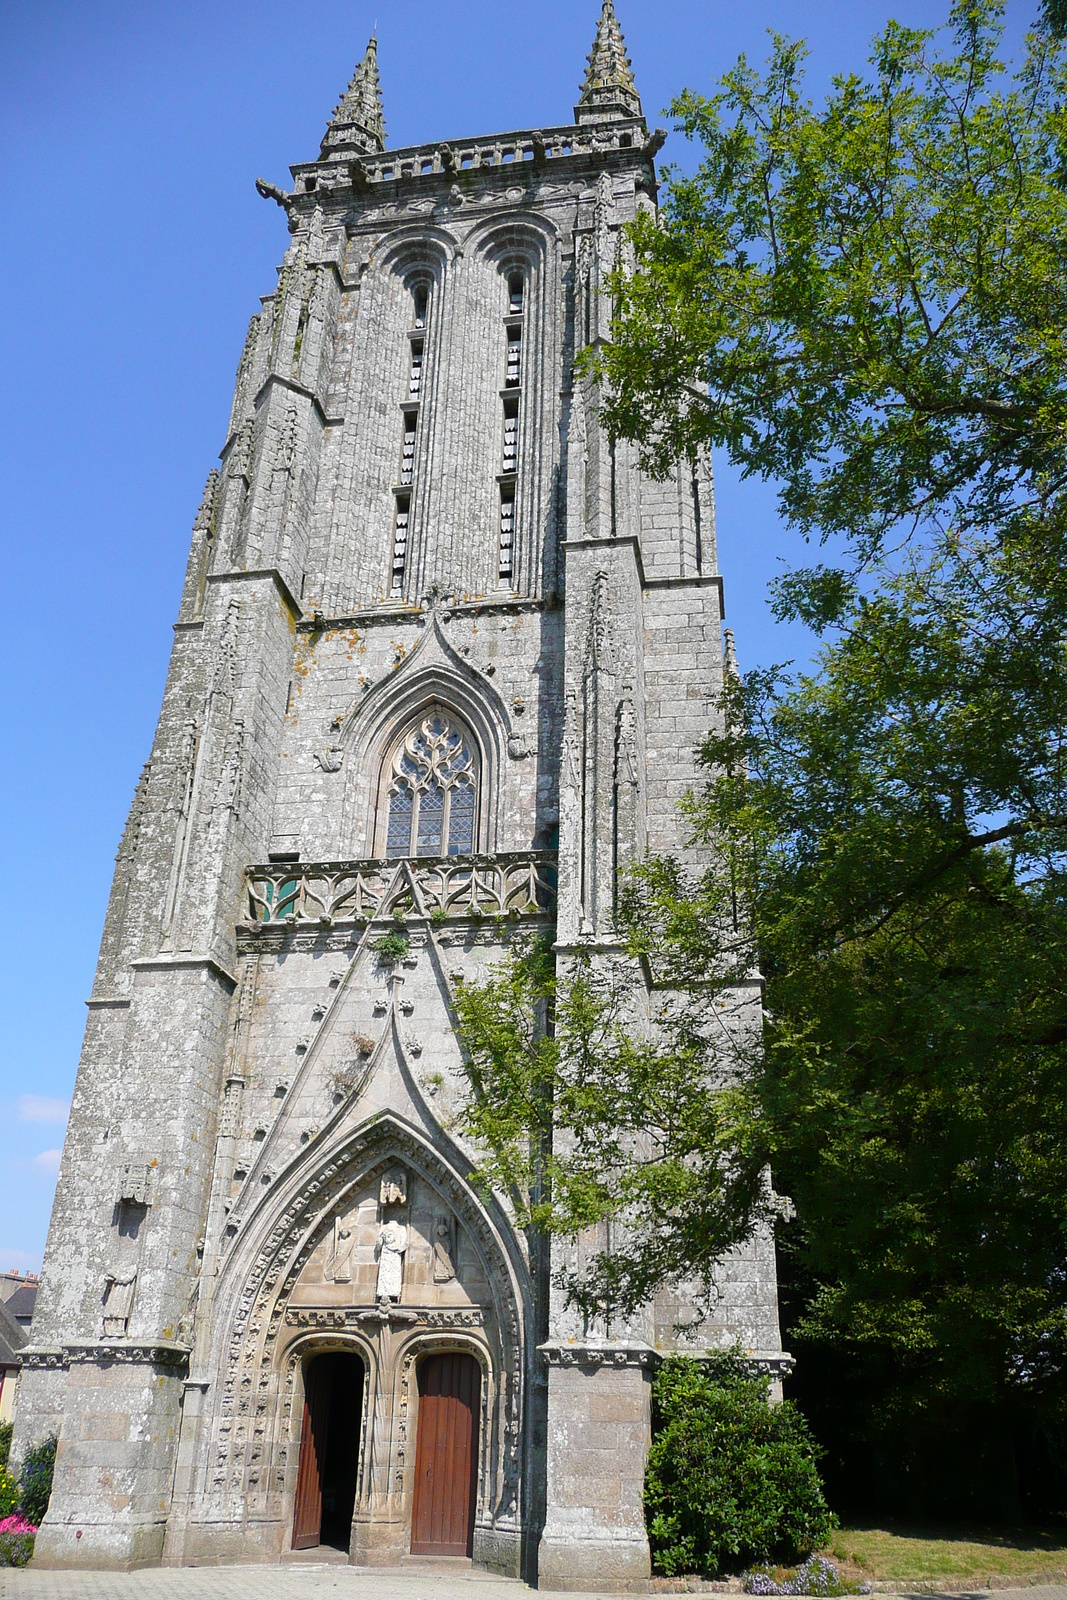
{"x":255,"y":1430}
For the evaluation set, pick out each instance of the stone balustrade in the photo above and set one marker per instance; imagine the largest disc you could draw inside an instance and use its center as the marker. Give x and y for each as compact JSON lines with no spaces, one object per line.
{"x":450,"y":158}
{"x":519,"y":883}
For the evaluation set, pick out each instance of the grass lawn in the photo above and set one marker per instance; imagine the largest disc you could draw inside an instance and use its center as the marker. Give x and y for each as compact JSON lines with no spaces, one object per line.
{"x":931,"y":1553}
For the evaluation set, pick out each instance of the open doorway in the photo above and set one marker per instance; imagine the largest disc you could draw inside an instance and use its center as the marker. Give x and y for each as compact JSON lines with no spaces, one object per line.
{"x":446,"y":1456}
{"x":329,"y":1451}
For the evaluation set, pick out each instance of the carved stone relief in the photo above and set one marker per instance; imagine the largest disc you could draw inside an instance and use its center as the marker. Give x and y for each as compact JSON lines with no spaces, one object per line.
{"x":443,"y":1269}
{"x":390,"y":1250}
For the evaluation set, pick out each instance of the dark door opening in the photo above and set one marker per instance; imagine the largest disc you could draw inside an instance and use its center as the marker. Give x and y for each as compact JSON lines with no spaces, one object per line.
{"x":329,"y":1451}
{"x":446,"y":1456}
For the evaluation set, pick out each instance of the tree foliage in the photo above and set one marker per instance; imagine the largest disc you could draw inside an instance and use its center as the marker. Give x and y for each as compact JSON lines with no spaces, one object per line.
{"x":35,"y":1479}
{"x":865,"y":302}
{"x":589,"y":1121}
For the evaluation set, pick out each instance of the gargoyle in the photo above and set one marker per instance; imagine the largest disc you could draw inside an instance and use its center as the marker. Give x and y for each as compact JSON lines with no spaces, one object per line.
{"x":270,"y":191}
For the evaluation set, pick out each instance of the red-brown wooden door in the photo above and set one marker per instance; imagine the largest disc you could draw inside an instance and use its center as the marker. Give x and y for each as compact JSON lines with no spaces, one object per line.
{"x":446,"y":1456}
{"x":308,"y":1516}
{"x":329,"y":1449}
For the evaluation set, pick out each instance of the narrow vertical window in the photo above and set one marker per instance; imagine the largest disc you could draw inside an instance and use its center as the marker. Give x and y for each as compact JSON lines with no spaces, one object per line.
{"x":509,"y":465}
{"x":407,"y":461}
{"x":511,"y":437}
{"x":507,"y":531}
{"x":419,"y":298}
{"x":513,"y":373}
{"x":415,"y":381}
{"x":400,"y":544}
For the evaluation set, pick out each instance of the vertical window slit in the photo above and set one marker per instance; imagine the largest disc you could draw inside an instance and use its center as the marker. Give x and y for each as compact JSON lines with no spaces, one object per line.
{"x":511,"y":438}
{"x":407,"y":463}
{"x":514,"y":366}
{"x":507,"y":532}
{"x":400,"y":544}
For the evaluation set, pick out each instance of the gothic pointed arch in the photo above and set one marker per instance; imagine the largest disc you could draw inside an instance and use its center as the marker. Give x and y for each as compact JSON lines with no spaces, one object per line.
{"x":434,"y":677}
{"x":267,"y":1318}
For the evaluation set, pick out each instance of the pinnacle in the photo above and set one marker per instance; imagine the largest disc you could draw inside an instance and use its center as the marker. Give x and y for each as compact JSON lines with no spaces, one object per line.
{"x":609,"y":89}
{"x":358,"y":119}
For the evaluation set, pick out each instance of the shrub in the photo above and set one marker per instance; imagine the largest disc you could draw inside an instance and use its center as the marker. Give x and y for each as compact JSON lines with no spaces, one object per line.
{"x":731,"y":1480}
{"x":9,"y":1493}
{"x":6,"y":1430}
{"x":35,"y":1483}
{"x":16,"y":1541}
{"x":392,"y":946}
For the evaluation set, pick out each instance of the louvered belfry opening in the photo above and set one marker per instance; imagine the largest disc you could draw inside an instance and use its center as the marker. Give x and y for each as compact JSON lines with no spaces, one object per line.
{"x":446,"y":1455}
{"x":329,"y":1451}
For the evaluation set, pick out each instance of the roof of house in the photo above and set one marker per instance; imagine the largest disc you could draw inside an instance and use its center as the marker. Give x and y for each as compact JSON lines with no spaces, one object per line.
{"x":20,"y":1304}
{"x":12,"y":1338}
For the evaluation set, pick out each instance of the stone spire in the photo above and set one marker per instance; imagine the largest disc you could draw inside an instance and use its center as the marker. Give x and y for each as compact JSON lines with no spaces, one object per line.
{"x":357,"y":123}
{"x":609,"y":90}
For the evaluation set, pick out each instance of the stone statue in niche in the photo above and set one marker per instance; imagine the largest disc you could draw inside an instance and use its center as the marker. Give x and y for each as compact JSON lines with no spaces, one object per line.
{"x":389,"y":1254}
{"x":337,"y":1267}
{"x":394,"y":1190}
{"x":118,"y":1303}
{"x":443,"y":1246}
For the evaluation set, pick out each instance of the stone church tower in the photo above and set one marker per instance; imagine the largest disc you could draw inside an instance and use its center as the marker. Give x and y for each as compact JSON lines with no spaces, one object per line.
{"x":441,"y":661}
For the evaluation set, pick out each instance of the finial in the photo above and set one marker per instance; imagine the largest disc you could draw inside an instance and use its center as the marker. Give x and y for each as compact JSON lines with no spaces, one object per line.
{"x":729,"y":654}
{"x":357,"y":122}
{"x":609,"y":90}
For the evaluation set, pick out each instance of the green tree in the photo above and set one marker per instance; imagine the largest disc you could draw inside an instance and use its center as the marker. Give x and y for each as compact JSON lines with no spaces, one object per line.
{"x":588,"y":1122}
{"x":866,"y":303}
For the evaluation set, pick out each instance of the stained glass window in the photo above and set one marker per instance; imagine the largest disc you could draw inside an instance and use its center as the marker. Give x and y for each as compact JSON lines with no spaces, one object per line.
{"x":432,"y":790}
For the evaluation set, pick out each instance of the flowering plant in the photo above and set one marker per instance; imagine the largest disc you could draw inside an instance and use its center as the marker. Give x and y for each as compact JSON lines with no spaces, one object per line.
{"x":16,"y":1524}
{"x":818,"y":1576}
{"x":16,"y":1540}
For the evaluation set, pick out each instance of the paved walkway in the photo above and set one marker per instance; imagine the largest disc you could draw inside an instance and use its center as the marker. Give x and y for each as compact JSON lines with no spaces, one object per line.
{"x":313,"y":1582}
{"x":293,"y":1581}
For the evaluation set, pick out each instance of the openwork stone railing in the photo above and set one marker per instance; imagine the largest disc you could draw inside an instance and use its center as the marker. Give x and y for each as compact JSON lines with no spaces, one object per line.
{"x":535,"y":146}
{"x":453,"y":886}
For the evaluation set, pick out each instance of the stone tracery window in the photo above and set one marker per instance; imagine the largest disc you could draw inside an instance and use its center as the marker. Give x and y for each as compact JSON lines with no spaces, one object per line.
{"x":432,"y":790}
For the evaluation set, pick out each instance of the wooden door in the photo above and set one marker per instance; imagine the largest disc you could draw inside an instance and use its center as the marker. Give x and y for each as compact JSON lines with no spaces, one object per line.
{"x":446,"y":1456}
{"x":329,"y":1451}
{"x":307,"y":1519}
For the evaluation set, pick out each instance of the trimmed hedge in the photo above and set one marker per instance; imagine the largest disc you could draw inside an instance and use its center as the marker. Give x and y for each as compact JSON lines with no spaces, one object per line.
{"x":732,"y":1481}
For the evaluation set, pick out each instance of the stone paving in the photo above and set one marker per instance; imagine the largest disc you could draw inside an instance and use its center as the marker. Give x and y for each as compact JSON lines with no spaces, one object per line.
{"x":310,"y":1581}
{"x":292,"y":1581}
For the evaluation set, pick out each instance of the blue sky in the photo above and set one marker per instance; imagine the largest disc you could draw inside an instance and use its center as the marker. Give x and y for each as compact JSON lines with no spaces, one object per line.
{"x":134,"y":248}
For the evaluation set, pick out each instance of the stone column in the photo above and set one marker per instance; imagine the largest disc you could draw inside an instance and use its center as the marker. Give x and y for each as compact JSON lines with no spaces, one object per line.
{"x":599,"y":1429}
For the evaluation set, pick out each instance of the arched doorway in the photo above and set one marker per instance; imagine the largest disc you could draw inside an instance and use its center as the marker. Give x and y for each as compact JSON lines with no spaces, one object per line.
{"x":329,"y":1451}
{"x":446,"y":1455}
